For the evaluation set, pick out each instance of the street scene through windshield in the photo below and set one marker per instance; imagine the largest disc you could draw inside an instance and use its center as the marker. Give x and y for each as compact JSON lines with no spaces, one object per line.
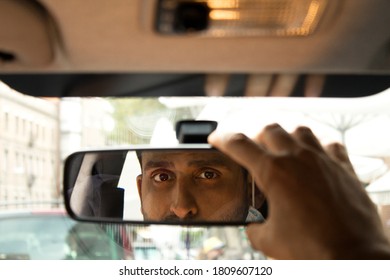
{"x":37,"y":134}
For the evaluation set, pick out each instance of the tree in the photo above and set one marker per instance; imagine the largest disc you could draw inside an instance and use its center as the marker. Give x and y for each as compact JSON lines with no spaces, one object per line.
{"x":136,"y":118}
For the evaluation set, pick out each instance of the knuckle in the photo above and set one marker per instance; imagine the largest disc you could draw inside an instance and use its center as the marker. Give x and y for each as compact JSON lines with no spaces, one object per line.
{"x":303,"y":130}
{"x":271,"y":127}
{"x":337,"y":147}
{"x":238,"y":138}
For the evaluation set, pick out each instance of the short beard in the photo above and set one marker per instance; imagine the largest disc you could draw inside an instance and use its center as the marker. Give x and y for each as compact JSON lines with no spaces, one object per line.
{"x":222,"y":215}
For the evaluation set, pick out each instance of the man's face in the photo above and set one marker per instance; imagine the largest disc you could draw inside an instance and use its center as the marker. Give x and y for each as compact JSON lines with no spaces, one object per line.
{"x":194,"y":185}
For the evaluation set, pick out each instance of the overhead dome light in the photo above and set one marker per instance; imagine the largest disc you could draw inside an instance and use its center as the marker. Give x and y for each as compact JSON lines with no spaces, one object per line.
{"x":222,"y":18}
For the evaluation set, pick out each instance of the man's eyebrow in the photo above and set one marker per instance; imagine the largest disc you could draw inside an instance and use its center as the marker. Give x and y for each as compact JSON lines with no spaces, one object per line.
{"x":209,"y":162}
{"x":158,"y":163}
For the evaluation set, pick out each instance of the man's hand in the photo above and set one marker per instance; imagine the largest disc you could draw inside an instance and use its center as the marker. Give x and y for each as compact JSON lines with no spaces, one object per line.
{"x":318,"y":209}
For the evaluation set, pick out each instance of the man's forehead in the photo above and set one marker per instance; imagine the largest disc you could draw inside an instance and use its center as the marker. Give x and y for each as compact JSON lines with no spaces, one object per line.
{"x":188,"y":156}
{"x":183,"y":153}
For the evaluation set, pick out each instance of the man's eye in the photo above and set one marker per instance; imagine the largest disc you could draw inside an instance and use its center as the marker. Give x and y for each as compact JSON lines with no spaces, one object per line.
{"x":161,"y":177}
{"x":208,"y":174}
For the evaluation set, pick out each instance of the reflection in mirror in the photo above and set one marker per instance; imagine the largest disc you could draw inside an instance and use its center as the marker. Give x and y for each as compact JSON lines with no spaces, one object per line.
{"x":169,"y":186}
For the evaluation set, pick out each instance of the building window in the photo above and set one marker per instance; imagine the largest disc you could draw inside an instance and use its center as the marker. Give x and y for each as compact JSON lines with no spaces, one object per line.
{"x":5,"y":160}
{"x":24,"y":127}
{"x":17,"y":163}
{"x":16,"y":125}
{"x":31,"y":165}
{"x":6,"y":120}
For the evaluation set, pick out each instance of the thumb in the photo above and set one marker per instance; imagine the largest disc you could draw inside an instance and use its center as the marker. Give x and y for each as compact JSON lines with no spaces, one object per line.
{"x":257,"y":235}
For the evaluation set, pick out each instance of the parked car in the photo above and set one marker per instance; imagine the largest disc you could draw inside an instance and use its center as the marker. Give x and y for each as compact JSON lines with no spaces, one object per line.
{"x":44,"y":235}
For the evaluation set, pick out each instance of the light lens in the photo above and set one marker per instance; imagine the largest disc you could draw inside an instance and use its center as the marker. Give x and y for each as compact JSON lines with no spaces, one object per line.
{"x":246,"y":17}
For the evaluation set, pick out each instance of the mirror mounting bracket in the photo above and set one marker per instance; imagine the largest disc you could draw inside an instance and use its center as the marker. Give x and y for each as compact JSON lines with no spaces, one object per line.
{"x":193,"y":131}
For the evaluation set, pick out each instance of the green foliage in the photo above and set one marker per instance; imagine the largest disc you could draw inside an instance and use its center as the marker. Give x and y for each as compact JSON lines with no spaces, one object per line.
{"x":134,"y":119}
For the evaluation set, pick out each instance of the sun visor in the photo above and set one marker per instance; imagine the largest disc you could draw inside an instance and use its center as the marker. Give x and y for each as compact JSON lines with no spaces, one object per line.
{"x":26,"y":35}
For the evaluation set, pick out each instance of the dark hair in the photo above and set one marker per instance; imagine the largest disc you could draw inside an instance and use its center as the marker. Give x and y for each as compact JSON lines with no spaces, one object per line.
{"x":139,"y":156}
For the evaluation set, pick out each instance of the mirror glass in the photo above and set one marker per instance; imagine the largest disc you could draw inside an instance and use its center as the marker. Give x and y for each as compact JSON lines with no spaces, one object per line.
{"x":188,"y":186}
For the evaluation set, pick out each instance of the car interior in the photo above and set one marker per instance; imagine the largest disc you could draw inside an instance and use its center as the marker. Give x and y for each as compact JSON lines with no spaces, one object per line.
{"x":87,"y":86}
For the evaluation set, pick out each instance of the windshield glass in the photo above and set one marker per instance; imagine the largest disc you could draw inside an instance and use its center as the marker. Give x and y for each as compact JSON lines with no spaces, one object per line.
{"x":37,"y":134}
{"x":54,"y":236}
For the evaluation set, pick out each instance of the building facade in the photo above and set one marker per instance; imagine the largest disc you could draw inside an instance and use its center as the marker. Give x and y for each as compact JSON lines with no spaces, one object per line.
{"x":29,"y":148}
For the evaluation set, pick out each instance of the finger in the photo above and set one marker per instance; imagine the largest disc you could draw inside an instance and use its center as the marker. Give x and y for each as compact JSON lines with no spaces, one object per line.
{"x":242,"y":150}
{"x":305,"y":136}
{"x":257,"y":235}
{"x":276,"y":139}
{"x":314,"y":85}
{"x":339,"y":154}
{"x":284,"y":85}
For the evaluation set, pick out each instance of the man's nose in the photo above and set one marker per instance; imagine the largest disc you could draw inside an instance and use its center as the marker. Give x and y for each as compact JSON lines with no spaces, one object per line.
{"x":184,"y":203}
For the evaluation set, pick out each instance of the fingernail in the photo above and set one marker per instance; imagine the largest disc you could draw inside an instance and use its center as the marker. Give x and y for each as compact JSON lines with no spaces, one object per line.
{"x":213,"y":137}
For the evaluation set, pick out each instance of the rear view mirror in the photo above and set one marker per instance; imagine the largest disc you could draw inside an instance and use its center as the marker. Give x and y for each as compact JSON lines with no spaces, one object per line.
{"x":196,"y":185}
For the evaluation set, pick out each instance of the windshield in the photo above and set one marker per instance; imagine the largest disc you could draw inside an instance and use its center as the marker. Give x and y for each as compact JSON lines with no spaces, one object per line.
{"x":41,"y":236}
{"x":37,"y":134}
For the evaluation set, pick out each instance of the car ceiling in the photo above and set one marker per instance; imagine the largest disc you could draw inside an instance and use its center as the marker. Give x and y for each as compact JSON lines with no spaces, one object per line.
{"x":73,"y":41}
